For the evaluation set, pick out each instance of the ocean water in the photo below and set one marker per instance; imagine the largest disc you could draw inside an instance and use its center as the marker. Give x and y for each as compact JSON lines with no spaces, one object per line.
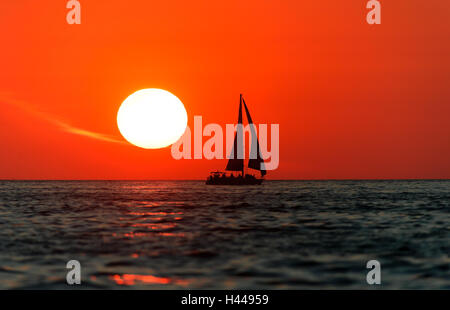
{"x":186,"y":235}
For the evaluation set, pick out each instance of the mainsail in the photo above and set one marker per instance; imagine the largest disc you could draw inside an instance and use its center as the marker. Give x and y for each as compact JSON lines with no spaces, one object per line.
{"x":236,"y":160}
{"x":234,"y":163}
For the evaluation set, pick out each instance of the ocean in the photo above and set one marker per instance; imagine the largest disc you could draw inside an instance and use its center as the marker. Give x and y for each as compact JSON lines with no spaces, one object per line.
{"x":186,"y":235}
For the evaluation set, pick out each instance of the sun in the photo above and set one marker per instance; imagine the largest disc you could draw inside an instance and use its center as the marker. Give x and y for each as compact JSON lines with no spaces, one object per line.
{"x":152,"y":118}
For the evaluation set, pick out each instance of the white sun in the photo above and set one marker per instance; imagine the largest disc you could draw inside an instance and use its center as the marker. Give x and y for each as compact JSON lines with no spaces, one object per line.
{"x":152,"y":118}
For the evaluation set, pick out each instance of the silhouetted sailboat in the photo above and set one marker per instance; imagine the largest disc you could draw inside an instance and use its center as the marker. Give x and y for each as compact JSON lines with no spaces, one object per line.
{"x":236,"y":158}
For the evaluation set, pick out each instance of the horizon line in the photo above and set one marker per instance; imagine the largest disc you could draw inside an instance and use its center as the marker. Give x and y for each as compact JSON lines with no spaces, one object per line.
{"x":311,"y":179}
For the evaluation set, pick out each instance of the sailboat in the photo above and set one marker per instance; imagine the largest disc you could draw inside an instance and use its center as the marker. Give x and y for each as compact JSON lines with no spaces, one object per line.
{"x":236,"y":163}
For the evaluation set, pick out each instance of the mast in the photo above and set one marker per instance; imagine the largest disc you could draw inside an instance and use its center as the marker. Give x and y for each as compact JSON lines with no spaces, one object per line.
{"x":241,"y":99}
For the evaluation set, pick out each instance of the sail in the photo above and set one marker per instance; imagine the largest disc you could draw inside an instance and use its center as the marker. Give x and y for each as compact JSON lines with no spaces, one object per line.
{"x":256,"y":161}
{"x":234,"y":163}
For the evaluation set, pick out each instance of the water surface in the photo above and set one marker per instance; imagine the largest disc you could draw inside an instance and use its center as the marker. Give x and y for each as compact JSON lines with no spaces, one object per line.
{"x":183,"y":234}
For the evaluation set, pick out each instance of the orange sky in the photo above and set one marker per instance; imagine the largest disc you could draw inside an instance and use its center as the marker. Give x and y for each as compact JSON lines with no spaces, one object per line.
{"x":352,"y":100}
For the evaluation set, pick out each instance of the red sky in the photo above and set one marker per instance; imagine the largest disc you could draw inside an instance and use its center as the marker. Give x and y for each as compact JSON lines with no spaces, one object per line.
{"x":352,"y":100}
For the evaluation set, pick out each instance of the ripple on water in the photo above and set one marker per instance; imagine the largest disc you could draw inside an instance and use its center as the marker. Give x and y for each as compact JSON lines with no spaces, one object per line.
{"x":183,"y":234}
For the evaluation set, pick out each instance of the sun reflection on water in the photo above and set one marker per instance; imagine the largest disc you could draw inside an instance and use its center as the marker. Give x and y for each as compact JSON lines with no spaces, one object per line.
{"x":163,"y":221}
{"x":133,"y":279}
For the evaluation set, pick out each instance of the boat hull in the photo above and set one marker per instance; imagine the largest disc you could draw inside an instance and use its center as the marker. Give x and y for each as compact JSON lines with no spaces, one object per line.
{"x":233,"y":181}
